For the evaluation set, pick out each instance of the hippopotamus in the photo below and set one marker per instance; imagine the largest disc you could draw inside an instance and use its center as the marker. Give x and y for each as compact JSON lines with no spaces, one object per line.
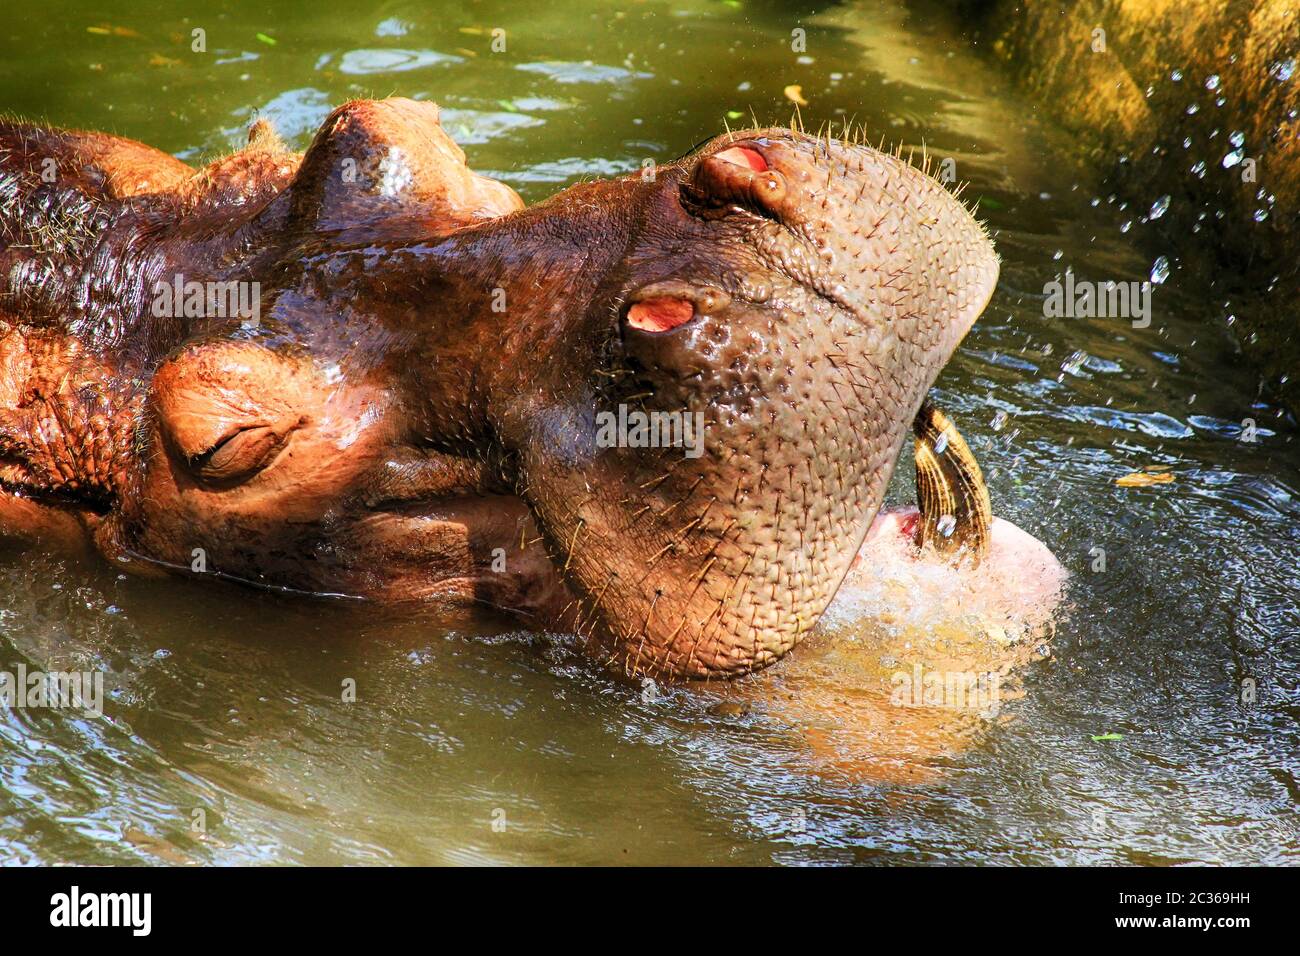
{"x":366,"y":371}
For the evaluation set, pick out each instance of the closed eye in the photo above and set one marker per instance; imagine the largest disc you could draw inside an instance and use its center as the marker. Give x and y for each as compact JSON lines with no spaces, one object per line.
{"x":240,"y":453}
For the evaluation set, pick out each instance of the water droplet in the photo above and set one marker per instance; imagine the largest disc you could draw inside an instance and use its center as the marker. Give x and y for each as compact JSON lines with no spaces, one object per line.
{"x":1187,"y":142}
{"x":946,"y":525}
{"x":1159,"y":207}
{"x":1261,"y":215}
{"x":1283,"y":70}
{"x":1128,"y":224}
{"x":1212,"y":81}
{"x":1160,"y":270}
{"x":941,"y":443}
{"x":1176,"y":76}
{"x":999,"y":421}
{"x":1237,"y":138}
{"x":1057,"y":254}
{"x":1074,"y":363}
{"x":1199,"y":169}
{"x":1233,"y":158}
{"x":1193,"y":109}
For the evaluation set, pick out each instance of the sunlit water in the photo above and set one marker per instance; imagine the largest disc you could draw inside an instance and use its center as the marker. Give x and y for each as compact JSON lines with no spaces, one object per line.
{"x":224,"y":706}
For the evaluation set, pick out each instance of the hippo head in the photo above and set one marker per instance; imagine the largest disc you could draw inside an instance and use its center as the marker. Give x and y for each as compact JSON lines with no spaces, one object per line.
{"x":660,"y":411}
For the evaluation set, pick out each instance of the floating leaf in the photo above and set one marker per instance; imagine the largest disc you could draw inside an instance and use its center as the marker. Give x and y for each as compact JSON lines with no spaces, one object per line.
{"x":1140,"y":479}
{"x":1108,"y":737}
{"x":734,"y":114}
{"x":165,"y":850}
{"x":269,"y":41}
{"x":730,"y":708}
{"x":794,"y":93}
{"x":108,"y":30}
{"x":508,"y":106}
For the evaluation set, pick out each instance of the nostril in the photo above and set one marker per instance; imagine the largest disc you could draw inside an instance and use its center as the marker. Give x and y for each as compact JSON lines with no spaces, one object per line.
{"x":735,"y":176}
{"x":660,"y":314}
{"x":744,"y":156}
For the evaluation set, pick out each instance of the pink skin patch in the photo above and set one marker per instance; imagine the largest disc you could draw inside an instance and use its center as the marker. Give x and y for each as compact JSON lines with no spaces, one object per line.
{"x":743,"y":156}
{"x":907,"y":525}
{"x":1019,"y":582}
{"x":660,"y":314}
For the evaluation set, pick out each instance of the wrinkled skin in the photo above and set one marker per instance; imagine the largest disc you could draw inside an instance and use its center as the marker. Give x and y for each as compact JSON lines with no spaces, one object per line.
{"x":415,"y":414}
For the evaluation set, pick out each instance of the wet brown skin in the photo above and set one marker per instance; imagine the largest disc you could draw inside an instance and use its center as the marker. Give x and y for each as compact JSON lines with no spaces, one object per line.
{"x":418,"y":402}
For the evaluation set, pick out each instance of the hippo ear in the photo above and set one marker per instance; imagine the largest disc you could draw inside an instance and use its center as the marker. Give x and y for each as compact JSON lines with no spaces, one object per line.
{"x":375,"y":159}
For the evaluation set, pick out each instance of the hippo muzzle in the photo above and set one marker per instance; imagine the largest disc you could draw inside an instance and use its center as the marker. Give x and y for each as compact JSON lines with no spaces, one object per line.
{"x":791,"y":299}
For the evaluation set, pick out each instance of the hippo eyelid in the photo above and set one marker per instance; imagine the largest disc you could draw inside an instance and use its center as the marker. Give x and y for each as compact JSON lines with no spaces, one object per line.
{"x":241,"y":452}
{"x":198,"y":459}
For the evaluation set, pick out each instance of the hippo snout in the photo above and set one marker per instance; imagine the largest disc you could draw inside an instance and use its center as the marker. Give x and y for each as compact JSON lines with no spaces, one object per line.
{"x":797,"y":297}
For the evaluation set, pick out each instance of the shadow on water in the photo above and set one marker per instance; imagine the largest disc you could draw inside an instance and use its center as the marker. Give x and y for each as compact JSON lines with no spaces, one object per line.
{"x":227,"y":737}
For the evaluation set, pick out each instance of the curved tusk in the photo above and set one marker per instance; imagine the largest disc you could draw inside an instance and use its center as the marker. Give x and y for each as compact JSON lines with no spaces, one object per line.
{"x":956,"y":515}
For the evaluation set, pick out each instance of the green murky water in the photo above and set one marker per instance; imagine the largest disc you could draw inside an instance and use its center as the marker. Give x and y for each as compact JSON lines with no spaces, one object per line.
{"x":224,"y":706}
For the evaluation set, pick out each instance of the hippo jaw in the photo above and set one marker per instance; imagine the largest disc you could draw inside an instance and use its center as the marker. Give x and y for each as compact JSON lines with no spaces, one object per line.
{"x":795,"y":297}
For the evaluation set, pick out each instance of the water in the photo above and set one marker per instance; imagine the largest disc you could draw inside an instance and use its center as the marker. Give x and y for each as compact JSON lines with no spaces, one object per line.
{"x":227,"y":740}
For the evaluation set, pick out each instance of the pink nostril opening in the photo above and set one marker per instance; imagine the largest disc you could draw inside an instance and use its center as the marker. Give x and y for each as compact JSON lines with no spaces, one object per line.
{"x":744,"y":156}
{"x":660,"y":314}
